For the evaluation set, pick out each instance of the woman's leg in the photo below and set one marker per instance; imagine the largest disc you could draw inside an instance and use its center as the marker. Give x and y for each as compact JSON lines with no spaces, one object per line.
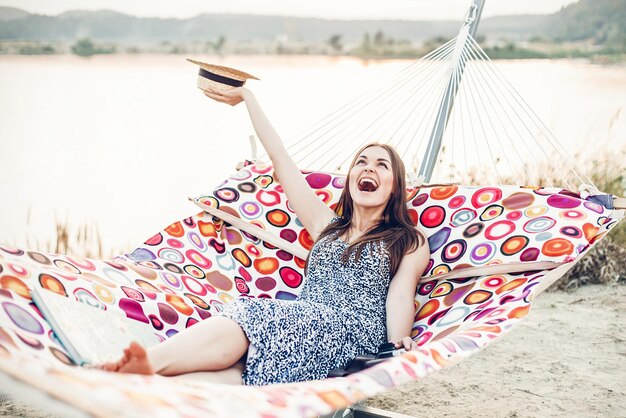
{"x":230,"y":376}
{"x":213,"y":344}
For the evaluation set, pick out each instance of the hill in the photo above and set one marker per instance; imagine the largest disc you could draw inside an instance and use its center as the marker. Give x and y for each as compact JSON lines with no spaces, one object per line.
{"x":602,"y":22}
{"x":110,"y":26}
{"x":11,"y":13}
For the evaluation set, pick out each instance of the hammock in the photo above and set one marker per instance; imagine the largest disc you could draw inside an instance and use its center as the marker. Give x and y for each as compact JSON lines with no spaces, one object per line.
{"x":494,"y":248}
{"x":188,"y":271}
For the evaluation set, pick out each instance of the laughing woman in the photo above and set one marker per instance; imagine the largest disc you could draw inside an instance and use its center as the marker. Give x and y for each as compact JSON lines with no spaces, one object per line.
{"x":361,"y":277}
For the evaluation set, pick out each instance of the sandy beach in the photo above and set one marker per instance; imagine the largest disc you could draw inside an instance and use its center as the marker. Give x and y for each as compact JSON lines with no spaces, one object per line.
{"x":566,"y":359}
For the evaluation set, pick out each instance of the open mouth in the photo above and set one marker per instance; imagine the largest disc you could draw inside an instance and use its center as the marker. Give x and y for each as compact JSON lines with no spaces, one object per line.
{"x":367,"y":185}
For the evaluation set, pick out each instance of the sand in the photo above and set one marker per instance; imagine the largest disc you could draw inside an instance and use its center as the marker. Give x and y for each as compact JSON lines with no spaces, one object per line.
{"x":566,"y":359}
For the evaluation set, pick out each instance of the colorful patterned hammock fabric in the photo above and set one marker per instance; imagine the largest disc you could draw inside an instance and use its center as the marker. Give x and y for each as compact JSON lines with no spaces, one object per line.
{"x":492,"y":248}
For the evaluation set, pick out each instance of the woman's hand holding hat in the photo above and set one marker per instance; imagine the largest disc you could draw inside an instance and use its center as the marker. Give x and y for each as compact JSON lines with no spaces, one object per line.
{"x":232,"y":97}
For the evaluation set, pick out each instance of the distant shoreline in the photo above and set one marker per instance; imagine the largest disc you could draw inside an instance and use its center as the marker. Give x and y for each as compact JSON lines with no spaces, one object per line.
{"x":591,"y":29}
{"x":503,"y":50}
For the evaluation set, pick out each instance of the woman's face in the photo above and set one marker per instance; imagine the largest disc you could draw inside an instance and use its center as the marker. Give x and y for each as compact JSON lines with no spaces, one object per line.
{"x":371,"y":178}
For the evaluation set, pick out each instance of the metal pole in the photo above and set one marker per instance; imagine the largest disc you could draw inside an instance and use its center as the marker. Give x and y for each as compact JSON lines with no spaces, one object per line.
{"x":445,"y":106}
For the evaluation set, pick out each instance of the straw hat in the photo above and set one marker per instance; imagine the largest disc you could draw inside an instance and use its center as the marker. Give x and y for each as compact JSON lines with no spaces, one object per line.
{"x":220,"y":78}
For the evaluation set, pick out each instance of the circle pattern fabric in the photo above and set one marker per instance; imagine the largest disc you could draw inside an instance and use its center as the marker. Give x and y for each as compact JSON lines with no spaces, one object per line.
{"x":189,"y":270}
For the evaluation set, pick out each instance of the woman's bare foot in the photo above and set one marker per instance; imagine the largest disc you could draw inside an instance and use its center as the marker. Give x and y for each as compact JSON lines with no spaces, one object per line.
{"x":135,"y":360}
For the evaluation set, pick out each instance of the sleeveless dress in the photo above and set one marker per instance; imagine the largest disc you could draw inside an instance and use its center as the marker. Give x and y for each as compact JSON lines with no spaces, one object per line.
{"x":339,"y":314}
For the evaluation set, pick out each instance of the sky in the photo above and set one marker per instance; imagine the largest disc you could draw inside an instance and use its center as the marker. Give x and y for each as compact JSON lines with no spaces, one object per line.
{"x":330,"y":9}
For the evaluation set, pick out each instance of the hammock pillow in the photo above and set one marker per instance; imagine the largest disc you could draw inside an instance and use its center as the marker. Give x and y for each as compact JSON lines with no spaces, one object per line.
{"x":472,"y":231}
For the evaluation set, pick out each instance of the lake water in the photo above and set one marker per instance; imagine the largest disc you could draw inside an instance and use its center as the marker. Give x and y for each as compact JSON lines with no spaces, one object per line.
{"x":123,"y":140}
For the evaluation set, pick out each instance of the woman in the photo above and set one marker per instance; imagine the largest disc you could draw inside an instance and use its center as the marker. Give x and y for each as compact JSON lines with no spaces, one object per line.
{"x":361,"y":278}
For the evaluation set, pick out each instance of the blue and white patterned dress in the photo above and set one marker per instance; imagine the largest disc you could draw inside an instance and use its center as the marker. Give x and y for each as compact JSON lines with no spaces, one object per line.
{"x":339,"y":314}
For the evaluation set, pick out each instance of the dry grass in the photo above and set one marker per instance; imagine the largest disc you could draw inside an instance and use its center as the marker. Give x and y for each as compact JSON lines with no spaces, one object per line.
{"x":605,"y":264}
{"x":83,"y":240}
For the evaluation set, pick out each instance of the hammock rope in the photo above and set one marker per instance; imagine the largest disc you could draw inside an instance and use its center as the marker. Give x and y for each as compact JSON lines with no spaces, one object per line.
{"x":431,"y":93}
{"x":302,"y":147}
{"x":370,"y":114}
{"x":473,"y":90}
{"x":518,"y":102}
{"x":415,"y":125}
{"x":417,"y":71}
{"x":493,"y":124}
{"x":306,"y":144}
{"x":367,"y":133}
{"x":512,"y":123}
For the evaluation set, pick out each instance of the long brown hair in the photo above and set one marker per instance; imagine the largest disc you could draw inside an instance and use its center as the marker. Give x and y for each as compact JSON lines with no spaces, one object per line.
{"x":395,"y":228}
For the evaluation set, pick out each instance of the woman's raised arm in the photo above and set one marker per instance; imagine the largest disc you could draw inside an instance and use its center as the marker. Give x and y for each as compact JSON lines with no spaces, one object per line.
{"x":312,"y":212}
